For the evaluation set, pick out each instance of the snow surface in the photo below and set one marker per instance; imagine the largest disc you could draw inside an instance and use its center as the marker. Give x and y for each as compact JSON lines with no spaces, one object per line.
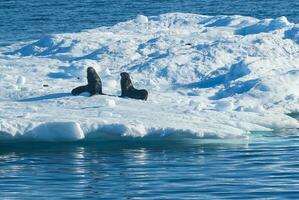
{"x":207,"y":77}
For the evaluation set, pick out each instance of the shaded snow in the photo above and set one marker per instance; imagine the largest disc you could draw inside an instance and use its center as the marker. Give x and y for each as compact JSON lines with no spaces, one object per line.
{"x":207,"y":77}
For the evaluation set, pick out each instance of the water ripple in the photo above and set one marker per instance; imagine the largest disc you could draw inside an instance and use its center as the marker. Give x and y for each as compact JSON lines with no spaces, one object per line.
{"x":266,"y":168}
{"x":30,"y":19}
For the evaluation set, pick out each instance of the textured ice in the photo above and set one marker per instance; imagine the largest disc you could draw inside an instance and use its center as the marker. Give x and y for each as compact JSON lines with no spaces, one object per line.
{"x":207,"y":77}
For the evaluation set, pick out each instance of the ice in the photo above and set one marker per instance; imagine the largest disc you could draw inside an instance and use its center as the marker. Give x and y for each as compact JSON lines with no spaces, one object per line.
{"x":56,"y":131}
{"x":264,"y":26}
{"x":21,"y":80}
{"x":142,"y":19}
{"x":110,"y":103}
{"x":225,"y":105}
{"x":207,"y":77}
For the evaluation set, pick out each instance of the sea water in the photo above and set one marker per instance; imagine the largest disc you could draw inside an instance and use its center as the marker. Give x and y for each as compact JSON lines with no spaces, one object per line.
{"x":30,"y":19}
{"x":264,"y":166}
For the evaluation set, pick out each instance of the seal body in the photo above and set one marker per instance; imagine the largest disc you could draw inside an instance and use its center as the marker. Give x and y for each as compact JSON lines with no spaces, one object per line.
{"x":128,"y":90}
{"x":94,"y":84}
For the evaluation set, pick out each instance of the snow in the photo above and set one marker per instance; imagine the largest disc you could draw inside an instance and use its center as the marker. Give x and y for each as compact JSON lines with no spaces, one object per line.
{"x":207,"y":77}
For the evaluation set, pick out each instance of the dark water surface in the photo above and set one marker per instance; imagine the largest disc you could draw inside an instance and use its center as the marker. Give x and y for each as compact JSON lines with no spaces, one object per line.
{"x":265,"y":167}
{"x":30,"y":19}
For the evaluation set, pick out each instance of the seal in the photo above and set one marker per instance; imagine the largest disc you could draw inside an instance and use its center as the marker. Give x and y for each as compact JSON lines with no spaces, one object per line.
{"x":94,"y":84}
{"x":128,"y":90}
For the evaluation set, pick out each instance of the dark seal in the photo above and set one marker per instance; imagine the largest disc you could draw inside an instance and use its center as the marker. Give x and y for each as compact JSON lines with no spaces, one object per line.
{"x":128,"y":90}
{"x":94,"y":84}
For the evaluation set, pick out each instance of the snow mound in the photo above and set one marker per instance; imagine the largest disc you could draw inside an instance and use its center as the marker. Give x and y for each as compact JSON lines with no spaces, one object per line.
{"x":264,"y":26}
{"x":56,"y":131}
{"x":207,"y":77}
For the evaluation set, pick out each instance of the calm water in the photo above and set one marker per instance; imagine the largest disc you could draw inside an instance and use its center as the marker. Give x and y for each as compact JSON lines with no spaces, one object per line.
{"x":264,"y":167}
{"x":30,"y":19}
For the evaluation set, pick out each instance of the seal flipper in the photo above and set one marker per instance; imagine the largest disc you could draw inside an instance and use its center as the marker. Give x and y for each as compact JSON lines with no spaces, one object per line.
{"x":80,"y":89}
{"x":143,"y":94}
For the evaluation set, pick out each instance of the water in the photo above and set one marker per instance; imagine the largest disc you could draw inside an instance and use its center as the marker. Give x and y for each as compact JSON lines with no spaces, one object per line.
{"x":30,"y":19}
{"x":266,"y":166}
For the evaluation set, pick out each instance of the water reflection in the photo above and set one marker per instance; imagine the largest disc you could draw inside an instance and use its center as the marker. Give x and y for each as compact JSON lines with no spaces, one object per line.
{"x":265,"y":168}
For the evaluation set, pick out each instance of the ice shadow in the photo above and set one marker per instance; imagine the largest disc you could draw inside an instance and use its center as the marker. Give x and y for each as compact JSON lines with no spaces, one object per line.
{"x":221,"y":76}
{"x":292,"y":34}
{"x":221,"y":22}
{"x":34,"y":49}
{"x":93,"y":55}
{"x":151,"y":58}
{"x":46,"y":97}
{"x":47,"y":46}
{"x":264,"y":26}
{"x":210,"y":82}
{"x":229,"y":78}
{"x":237,"y":88}
{"x":59,"y":75}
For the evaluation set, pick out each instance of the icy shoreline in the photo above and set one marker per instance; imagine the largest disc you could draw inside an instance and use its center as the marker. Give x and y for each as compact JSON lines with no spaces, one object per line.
{"x":207,"y":76}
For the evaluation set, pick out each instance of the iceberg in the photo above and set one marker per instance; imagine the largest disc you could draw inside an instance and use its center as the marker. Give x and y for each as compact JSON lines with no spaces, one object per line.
{"x":207,"y":77}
